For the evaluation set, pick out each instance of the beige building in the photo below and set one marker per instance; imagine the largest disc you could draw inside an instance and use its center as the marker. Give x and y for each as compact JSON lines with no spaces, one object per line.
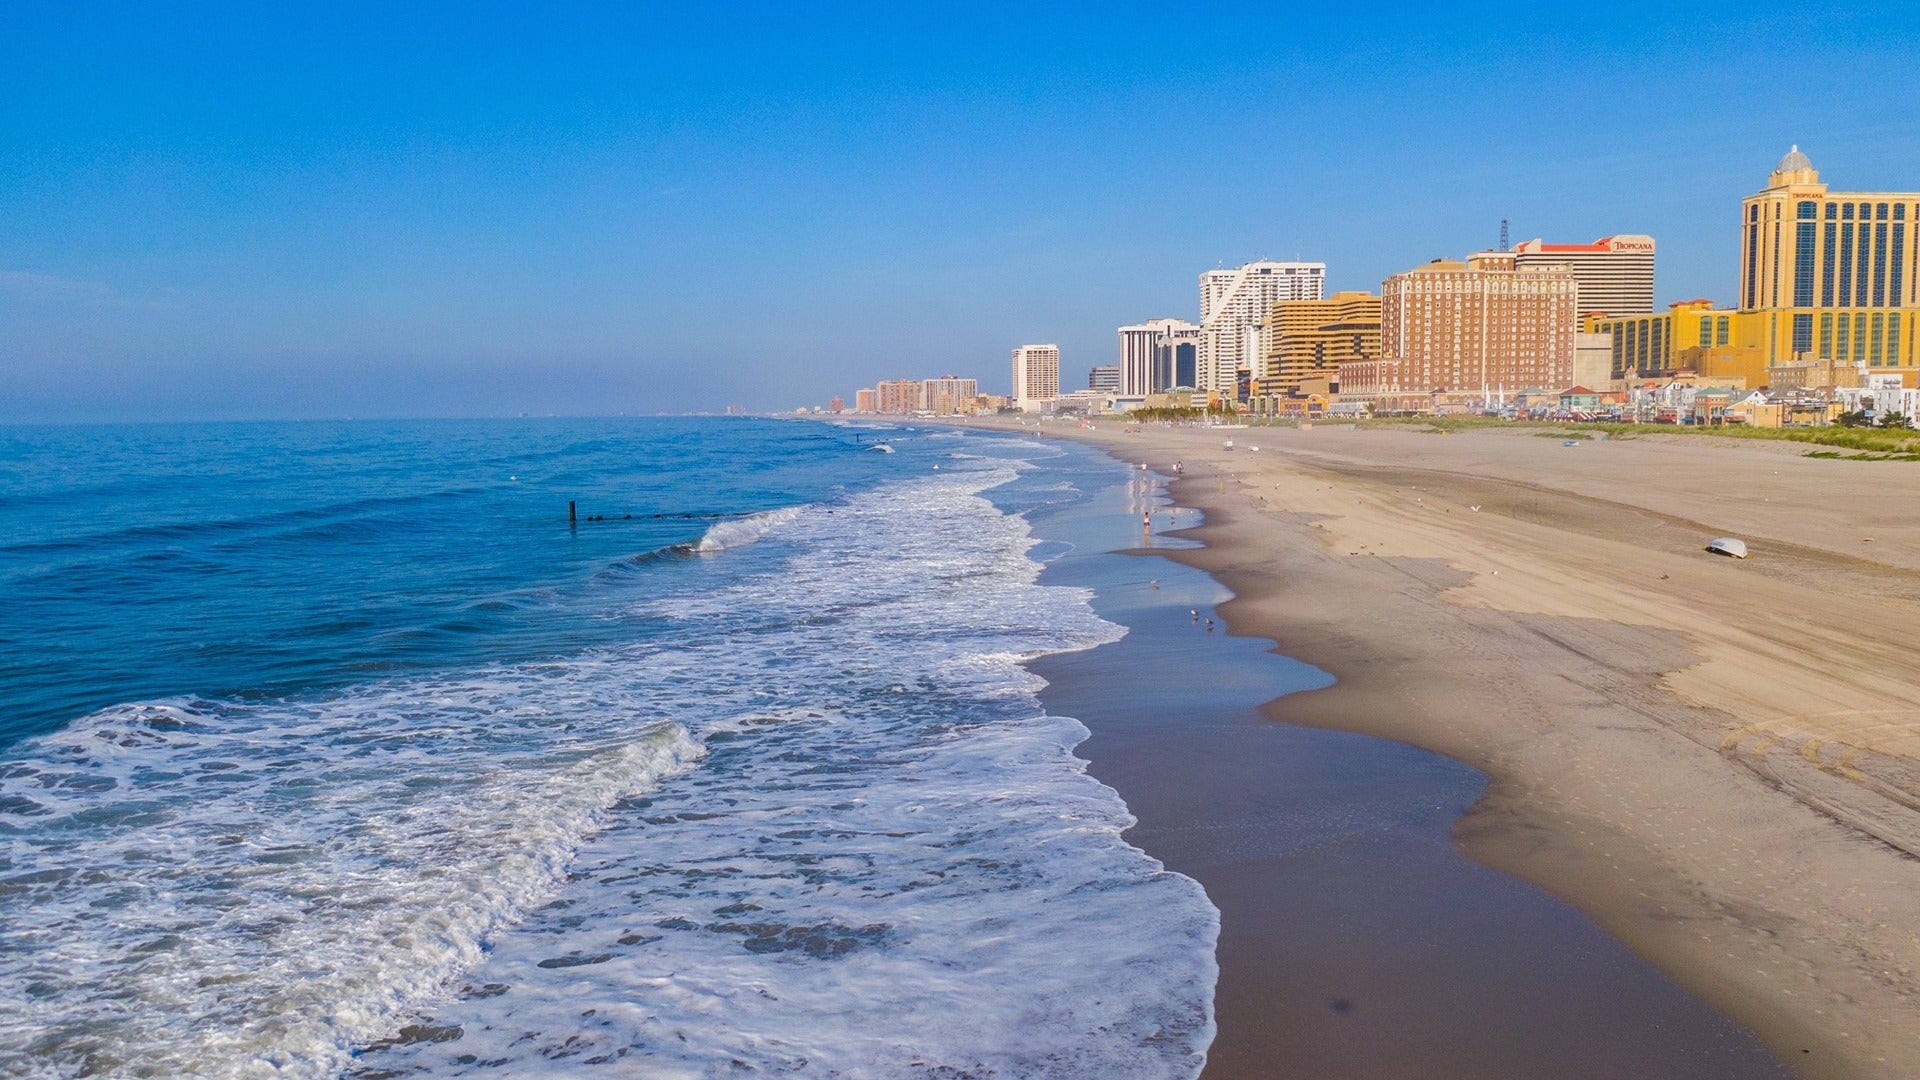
{"x":1308,"y":340}
{"x":897,"y":396}
{"x":1036,"y":375}
{"x":1593,"y":360}
{"x":1454,"y":331}
{"x":1615,"y":273}
{"x":1831,"y":274}
{"x":866,"y":400}
{"x":949,"y":395}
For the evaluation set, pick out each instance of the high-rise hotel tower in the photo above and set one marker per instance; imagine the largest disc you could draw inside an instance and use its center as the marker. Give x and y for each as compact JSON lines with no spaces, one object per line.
{"x":1479,"y":327}
{"x":1830,"y":275}
{"x":1234,"y":305}
{"x":1036,"y":375}
{"x":1615,"y":273}
{"x":1157,"y":356}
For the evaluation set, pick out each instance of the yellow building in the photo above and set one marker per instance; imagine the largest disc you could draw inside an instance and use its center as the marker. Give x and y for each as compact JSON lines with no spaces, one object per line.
{"x":1830,"y":275}
{"x":1647,"y":346}
{"x":1308,"y":340}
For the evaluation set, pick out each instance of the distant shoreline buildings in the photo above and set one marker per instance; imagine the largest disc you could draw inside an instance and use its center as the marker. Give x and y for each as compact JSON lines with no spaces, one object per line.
{"x":948,"y":395}
{"x":1825,"y":313}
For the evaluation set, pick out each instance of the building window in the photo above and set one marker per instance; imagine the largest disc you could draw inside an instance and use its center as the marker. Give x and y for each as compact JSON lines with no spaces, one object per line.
{"x":1896,"y":265}
{"x":1803,"y":261}
{"x":1802,"y":335}
{"x":1863,"y":250}
{"x":1846,"y":211}
{"x":1846,"y":266}
{"x":1753,"y":264}
{"x":1880,"y":263}
{"x":1843,"y":347}
{"x":1832,"y":210}
{"x":1826,"y":336}
{"x":1859,"y":337}
{"x":1804,"y":210}
{"x":1774,"y":291}
{"x":1880,"y":212}
{"x":1893,"y":340}
{"x":1879,"y":337}
{"x":1725,"y":323}
{"x":1706,"y":332}
{"x":1826,"y":264}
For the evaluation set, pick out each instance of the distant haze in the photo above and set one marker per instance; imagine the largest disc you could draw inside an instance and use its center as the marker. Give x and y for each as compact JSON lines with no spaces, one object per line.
{"x":247,"y":211}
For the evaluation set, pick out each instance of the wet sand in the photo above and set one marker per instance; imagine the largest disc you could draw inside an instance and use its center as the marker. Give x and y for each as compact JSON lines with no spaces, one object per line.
{"x":1357,"y":941}
{"x":1713,"y":760}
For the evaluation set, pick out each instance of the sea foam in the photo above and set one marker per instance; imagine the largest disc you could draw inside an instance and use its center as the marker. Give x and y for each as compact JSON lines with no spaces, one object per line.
{"x":811,"y":822}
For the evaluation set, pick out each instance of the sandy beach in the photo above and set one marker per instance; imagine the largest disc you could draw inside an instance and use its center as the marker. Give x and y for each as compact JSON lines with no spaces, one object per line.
{"x":1718,"y":761}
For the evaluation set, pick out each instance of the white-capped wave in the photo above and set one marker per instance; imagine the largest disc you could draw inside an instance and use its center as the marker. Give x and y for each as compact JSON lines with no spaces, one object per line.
{"x":739,"y":532}
{"x":293,"y":880}
{"x":811,"y":821}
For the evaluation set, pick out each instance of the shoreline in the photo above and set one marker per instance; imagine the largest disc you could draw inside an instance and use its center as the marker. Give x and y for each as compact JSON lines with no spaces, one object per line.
{"x":1349,"y":922}
{"x":1629,"y":772}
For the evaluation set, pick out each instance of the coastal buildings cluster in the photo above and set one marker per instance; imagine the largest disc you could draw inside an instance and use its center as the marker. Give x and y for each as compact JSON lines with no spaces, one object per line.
{"x":1823,"y":323}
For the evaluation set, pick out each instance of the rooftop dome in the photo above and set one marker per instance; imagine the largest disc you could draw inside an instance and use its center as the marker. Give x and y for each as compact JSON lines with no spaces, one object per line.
{"x":1794,"y":161}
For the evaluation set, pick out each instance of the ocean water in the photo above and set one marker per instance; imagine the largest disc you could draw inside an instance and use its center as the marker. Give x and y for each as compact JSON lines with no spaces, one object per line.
{"x":333,"y":750}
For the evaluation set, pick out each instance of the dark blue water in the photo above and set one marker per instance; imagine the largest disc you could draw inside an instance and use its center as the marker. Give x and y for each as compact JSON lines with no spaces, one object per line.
{"x":334,"y":750}
{"x":147,"y":561}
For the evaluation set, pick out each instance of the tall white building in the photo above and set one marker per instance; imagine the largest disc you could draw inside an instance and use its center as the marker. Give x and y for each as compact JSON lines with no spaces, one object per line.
{"x":1036,"y":374}
{"x":1234,"y":305}
{"x":1157,"y":356}
{"x":1615,"y":273}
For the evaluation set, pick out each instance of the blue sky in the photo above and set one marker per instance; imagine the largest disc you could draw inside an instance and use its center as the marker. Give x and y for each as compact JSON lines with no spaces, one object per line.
{"x":486,"y":209}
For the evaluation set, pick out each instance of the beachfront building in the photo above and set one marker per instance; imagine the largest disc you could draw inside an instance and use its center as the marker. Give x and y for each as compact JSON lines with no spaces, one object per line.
{"x":1157,"y":355}
{"x":1453,"y":333}
{"x":949,"y":395}
{"x":1036,"y":375}
{"x":1831,"y":274}
{"x":1593,"y":359}
{"x":1614,"y":273}
{"x":1691,"y":335}
{"x":1234,"y":308}
{"x":897,"y":396}
{"x":1104,"y":378}
{"x":1308,"y":340}
{"x":866,"y":400}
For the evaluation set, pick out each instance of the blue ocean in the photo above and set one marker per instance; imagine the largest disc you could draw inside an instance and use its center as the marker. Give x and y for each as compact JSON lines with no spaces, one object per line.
{"x":337,"y":750}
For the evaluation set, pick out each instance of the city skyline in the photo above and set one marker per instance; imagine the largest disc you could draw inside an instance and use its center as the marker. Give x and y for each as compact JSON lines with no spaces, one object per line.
{"x":263,"y":217}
